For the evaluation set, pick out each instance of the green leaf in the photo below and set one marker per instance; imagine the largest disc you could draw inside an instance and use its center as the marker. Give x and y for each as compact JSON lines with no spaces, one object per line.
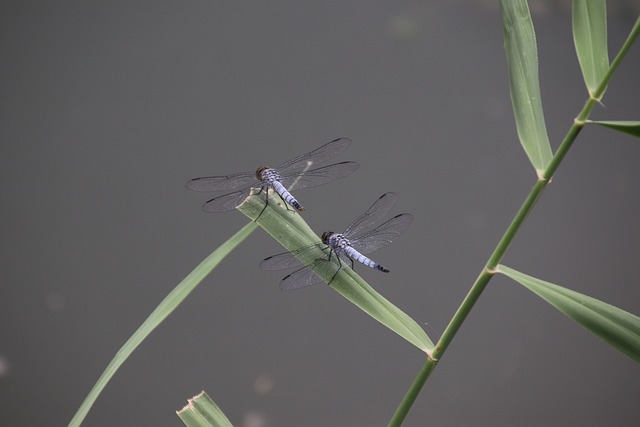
{"x":617,"y":327}
{"x":292,"y":232}
{"x":630,"y":127}
{"x":590,"y":38}
{"x":522,"y":60}
{"x":201,"y":411}
{"x":170,"y":303}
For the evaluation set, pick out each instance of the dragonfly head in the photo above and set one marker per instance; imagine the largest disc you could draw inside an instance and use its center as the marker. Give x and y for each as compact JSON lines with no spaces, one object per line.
{"x":260,"y":172}
{"x":325,"y":236}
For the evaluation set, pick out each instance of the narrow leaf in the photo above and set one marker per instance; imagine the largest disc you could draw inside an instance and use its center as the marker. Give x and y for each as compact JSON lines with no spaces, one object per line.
{"x":617,"y":327}
{"x":292,"y":232}
{"x":590,"y":38}
{"x":630,"y":127}
{"x":191,"y":418}
{"x":201,"y":411}
{"x":522,"y":60}
{"x":166,"y":307}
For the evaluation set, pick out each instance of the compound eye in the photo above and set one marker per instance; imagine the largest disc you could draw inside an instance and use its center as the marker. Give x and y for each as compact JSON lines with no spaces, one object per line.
{"x":260,"y":172}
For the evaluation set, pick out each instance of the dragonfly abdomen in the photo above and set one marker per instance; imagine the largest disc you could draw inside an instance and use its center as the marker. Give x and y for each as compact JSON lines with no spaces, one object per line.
{"x":357,"y":256}
{"x":270,"y":177}
{"x":286,"y":196}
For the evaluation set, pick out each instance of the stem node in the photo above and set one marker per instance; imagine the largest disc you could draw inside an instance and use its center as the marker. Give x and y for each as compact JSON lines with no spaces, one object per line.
{"x":490,"y":271}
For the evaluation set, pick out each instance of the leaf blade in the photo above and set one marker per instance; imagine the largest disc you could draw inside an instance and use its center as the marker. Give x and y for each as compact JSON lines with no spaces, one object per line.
{"x":589,"y":23}
{"x":524,"y":86}
{"x":161,"y":312}
{"x":292,"y":232}
{"x":617,"y":327}
{"x":627,"y":126}
{"x":201,"y":411}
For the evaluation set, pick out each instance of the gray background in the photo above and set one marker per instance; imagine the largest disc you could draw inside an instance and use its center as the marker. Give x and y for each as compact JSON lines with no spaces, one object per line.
{"x":108,"y":108}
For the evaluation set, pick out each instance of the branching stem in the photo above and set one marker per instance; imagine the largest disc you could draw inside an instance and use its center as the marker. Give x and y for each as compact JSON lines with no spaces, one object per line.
{"x":487,"y":272}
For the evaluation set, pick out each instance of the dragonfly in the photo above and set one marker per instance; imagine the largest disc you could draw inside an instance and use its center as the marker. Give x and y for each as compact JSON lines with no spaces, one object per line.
{"x":292,"y":174}
{"x":339,"y":249}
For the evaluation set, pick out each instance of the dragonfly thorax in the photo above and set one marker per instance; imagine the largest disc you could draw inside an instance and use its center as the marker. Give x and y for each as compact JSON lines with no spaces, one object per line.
{"x":335,"y":240}
{"x":267,"y":174}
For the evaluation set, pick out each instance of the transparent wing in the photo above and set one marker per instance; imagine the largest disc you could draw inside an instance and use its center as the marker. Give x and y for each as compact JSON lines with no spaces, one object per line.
{"x":300,"y":279}
{"x":297,"y":180}
{"x":290,"y":259}
{"x":223,"y":183}
{"x":382,"y":235}
{"x":289,"y":169}
{"x":377,"y":211}
{"x":306,"y":277}
{"x":319,"y":155}
{"x":280,"y":262}
{"x":227,"y":202}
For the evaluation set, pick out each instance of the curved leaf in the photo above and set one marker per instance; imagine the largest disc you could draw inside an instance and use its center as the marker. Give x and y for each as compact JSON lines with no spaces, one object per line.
{"x":590,"y":38}
{"x":292,"y":232}
{"x":522,"y":61}
{"x":630,"y":127}
{"x":162,"y":311}
{"x":619,"y":328}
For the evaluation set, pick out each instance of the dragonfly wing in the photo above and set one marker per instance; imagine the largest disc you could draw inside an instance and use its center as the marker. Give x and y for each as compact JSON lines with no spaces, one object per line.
{"x":382,"y":235}
{"x":300,"y":279}
{"x":223,"y":183}
{"x":226,"y":202}
{"x":317,"y":156}
{"x":306,"y":276}
{"x":376,"y":212}
{"x":280,"y":262}
{"x":320,"y":176}
{"x":289,"y":259}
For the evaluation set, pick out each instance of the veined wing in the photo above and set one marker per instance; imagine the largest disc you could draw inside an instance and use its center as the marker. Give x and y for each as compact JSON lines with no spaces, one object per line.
{"x":291,"y":259}
{"x":319,"y":155}
{"x":376,"y":212}
{"x":226,"y":202}
{"x":306,"y":277}
{"x":297,"y":180}
{"x":382,"y":235}
{"x":223,"y":182}
{"x":300,"y":279}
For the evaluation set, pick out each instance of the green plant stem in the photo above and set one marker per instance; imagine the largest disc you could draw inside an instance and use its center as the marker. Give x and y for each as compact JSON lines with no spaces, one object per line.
{"x":412,"y":393}
{"x":488,"y":271}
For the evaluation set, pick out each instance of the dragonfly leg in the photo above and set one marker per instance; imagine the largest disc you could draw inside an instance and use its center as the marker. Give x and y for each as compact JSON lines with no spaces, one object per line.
{"x":332,"y":251}
{"x":266,"y":201}
{"x":284,"y":202}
